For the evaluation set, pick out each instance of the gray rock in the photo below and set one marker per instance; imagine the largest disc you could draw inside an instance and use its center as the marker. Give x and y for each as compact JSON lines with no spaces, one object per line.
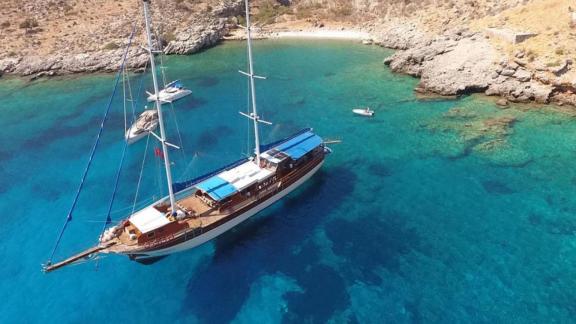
{"x":400,"y":35}
{"x":8,"y":65}
{"x":197,"y":37}
{"x":563,"y":68}
{"x":522,"y":75}
{"x":516,"y":91}
{"x":507,"y":71}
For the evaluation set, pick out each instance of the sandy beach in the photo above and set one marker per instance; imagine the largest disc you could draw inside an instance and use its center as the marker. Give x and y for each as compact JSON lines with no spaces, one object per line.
{"x":323,"y":33}
{"x":348,"y":34}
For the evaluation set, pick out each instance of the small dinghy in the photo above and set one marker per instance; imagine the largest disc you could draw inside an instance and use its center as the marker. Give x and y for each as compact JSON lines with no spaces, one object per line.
{"x":146,"y":123}
{"x":363,"y":112}
{"x":171,"y":92}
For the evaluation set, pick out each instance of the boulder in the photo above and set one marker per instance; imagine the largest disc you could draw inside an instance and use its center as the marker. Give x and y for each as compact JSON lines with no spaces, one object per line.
{"x":563,"y":68}
{"x":502,"y":102}
{"x":522,"y":75}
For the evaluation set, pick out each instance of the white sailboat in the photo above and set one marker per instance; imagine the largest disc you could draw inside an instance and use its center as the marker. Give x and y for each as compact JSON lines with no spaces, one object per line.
{"x":146,"y":123}
{"x":171,"y":92}
{"x":200,"y":209}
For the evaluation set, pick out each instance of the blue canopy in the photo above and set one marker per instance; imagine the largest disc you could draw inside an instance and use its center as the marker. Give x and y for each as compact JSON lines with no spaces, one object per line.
{"x":300,"y":145}
{"x":300,"y":149}
{"x":217,"y":188}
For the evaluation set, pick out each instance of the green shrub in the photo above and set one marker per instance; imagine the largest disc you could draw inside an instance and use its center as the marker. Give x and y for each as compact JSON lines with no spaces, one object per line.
{"x":241,"y":20}
{"x":268,"y":11}
{"x":307,"y":10}
{"x":168,"y":37}
{"x":111,"y":46}
{"x":343,"y":11}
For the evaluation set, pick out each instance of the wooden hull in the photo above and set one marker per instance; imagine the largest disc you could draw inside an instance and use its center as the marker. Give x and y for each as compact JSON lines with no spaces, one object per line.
{"x":224,"y":227}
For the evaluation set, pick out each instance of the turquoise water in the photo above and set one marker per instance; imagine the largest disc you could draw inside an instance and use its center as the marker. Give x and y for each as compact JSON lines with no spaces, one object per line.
{"x":425,"y":213}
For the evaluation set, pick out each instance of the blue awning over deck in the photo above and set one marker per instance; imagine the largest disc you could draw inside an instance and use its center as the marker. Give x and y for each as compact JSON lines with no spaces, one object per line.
{"x":217,"y":188}
{"x":300,"y":145}
{"x":300,"y":149}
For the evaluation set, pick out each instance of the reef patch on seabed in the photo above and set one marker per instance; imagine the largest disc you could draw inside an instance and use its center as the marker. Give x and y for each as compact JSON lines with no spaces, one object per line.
{"x":559,"y":225}
{"x":479,"y":127}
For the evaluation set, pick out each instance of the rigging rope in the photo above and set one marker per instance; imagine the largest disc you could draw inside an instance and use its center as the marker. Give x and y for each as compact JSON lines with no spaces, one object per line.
{"x":117,"y":179}
{"x":108,"y":217}
{"x":179,"y":135}
{"x":140,"y":176}
{"x":124,"y":101}
{"x":93,"y":151}
{"x":134,"y":103}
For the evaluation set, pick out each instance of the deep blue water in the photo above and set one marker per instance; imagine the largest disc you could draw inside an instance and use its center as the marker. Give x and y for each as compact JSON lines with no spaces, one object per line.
{"x":413,"y":218}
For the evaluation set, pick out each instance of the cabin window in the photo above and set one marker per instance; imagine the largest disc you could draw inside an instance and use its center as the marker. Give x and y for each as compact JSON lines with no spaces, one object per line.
{"x":150,"y":235}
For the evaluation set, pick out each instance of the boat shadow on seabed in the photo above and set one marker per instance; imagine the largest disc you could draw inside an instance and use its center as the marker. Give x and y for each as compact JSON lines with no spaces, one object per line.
{"x":265,"y":245}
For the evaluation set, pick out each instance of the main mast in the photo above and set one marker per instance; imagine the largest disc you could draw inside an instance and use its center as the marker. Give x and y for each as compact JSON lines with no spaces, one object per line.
{"x":159,"y":109}
{"x":252,"y":88}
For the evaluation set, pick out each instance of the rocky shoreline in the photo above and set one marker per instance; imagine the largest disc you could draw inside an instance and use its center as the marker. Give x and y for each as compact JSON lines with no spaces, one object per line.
{"x":463,"y":62}
{"x":458,"y":62}
{"x":203,"y":32}
{"x":187,"y":42}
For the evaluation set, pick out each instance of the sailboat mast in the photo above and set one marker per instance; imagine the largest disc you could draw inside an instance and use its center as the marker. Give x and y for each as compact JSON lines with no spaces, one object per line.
{"x":252,"y":88}
{"x":159,"y":109}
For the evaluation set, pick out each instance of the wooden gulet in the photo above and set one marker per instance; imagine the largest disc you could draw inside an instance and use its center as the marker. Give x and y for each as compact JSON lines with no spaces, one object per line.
{"x":199,"y":210}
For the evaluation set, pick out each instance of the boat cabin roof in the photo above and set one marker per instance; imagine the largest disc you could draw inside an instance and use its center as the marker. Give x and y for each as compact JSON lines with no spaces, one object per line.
{"x":148,"y":219}
{"x":294,"y":148}
{"x":229,"y":182}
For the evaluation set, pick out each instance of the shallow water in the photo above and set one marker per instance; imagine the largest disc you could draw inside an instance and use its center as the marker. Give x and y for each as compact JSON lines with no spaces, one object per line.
{"x":419,"y":215}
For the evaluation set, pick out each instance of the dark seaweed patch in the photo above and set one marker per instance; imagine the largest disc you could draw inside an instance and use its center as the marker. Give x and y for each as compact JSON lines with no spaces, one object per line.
{"x":6,"y":180}
{"x":207,"y":82}
{"x":212,"y":136}
{"x":373,"y":241}
{"x":324,"y":294}
{"x":48,"y":192}
{"x":6,"y":155}
{"x":535,"y":219}
{"x":379,"y":170}
{"x":415,"y":314}
{"x":496,"y":187}
{"x":190,"y":103}
{"x":56,"y":133}
{"x":560,"y":225}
